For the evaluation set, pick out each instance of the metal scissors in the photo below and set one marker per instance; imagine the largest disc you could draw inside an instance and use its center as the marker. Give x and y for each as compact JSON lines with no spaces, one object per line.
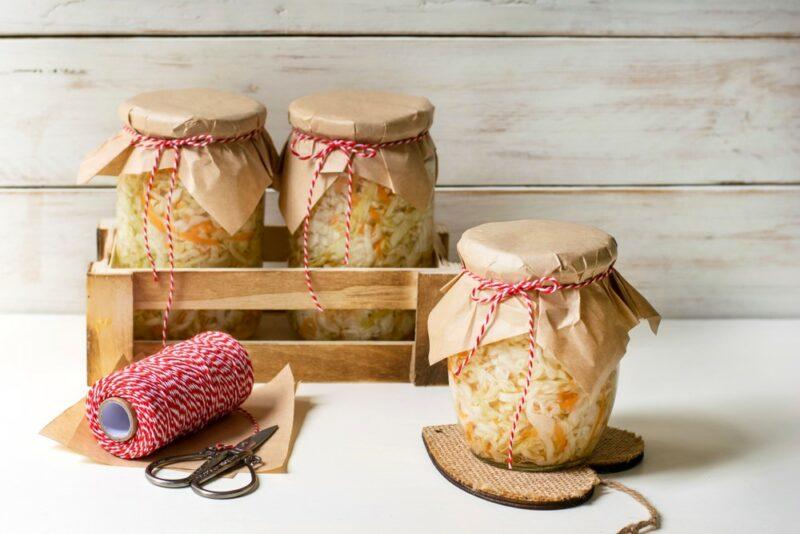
{"x":217,"y":463}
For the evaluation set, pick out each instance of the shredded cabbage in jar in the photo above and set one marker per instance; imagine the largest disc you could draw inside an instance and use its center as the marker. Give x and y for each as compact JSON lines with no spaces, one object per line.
{"x":198,"y":242}
{"x":386,"y":231}
{"x":559,"y":425}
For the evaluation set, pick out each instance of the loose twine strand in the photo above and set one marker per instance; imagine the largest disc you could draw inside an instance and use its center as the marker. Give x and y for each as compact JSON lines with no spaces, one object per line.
{"x":175,"y":392}
{"x":634,"y":528}
{"x":351,"y":150}
{"x":161,"y":145}
{"x":497,"y":292}
{"x":254,"y":429}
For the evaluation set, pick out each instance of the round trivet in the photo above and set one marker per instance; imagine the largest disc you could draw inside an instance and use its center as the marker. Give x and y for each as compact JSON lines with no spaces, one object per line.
{"x":542,"y":491}
{"x":616,"y":451}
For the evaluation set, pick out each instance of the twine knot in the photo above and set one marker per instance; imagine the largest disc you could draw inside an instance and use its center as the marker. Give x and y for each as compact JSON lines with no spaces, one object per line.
{"x":347,"y":146}
{"x":501,"y":291}
{"x":145,"y":141}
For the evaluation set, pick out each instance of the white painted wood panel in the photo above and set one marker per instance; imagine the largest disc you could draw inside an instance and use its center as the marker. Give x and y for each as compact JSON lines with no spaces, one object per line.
{"x":417,"y":17}
{"x":509,"y":111}
{"x":694,"y":251}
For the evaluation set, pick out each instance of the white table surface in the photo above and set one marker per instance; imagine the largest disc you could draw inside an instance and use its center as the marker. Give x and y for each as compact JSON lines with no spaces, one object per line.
{"x":717,"y":402}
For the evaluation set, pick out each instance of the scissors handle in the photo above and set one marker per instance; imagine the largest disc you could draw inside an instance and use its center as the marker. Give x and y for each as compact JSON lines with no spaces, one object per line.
{"x":217,"y":464}
{"x":249,"y":462}
{"x":154,"y":467}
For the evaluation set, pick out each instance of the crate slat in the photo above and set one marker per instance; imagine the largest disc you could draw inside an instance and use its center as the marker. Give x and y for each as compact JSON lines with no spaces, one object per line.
{"x":429,"y":292}
{"x":275,"y":243}
{"x":109,"y":325}
{"x":278,"y":289}
{"x":322,"y":361}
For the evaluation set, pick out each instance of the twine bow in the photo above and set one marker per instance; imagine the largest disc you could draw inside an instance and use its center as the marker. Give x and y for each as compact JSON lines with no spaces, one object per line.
{"x":351,"y":150}
{"x":493,"y":293}
{"x":161,"y":145}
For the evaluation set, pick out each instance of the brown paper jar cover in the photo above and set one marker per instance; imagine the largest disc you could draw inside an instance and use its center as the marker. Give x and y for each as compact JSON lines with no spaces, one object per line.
{"x":227,"y":180}
{"x":408,"y":170}
{"x":586,"y":329}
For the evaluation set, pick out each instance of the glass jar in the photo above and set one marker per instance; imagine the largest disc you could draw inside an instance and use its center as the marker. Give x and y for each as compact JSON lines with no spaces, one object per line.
{"x":386,"y":231}
{"x":559,"y":425}
{"x":533,"y":330}
{"x":211,"y":146}
{"x":198,"y":242}
{"x":393,"y":165}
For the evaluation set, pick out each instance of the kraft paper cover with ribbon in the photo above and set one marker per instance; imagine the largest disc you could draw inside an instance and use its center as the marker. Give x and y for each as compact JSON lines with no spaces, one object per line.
{"x":585,"y":329}
{"x":226,"y":179}
{"x":409,"y":170}
{"x":270,"y":404}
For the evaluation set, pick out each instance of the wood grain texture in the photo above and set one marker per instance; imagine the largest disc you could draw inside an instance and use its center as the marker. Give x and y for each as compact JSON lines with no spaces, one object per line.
{"x":499,"y":17}
{"x":429,"y":287}
{"x":523,"y":111}
{"x":322,"y":361}
{"x":109,"y":325}
{"x":278,"y":289}
{"x":693,"y":251}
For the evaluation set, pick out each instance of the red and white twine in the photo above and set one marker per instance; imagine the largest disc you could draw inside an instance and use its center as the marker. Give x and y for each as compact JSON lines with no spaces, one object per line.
{"x":351,"y":150}
{"x":498,"y":291}
{"x":161,"y":145}
{"x":175,"y":392}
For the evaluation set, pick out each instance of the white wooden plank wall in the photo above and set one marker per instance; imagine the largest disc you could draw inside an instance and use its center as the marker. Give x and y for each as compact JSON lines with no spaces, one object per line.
{"x":523,"y":111}
{"x":673,"y":124}
{"x":404,"y":17}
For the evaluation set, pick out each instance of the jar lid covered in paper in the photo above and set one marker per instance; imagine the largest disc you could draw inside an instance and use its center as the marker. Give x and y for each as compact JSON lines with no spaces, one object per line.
{"x":400,"y":155}
{"x":512,"y":251}
{"x":585,"y":328}
{"x":186,"y":112}
{"x":226,"y":171}
{"x":365,"y":116}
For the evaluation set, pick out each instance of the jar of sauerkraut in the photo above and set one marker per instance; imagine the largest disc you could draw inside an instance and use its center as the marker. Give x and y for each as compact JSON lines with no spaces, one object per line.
{"x":357,"y":189}
{"x":213,"y":210}
{"x":533,"y":330}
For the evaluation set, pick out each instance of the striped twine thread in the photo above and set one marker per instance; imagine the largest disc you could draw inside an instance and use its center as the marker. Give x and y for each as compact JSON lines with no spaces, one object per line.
{"x":175,"y":392}
{"x":499,"y":291}
{"x":351,"y":150}
{"x":160,"y":145}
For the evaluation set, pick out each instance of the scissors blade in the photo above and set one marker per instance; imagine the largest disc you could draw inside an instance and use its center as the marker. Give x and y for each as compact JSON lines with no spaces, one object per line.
{"x":256,"y":440}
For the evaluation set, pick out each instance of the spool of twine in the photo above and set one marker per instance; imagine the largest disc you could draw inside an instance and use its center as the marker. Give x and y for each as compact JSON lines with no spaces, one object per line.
{"x":179,"y":390}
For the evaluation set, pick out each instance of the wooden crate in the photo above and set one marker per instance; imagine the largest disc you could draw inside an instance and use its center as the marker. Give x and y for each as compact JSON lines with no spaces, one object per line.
{"x":113,"y":294}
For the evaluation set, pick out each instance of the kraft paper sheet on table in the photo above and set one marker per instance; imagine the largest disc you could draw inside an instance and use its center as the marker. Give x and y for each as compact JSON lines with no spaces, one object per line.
{"x":270,"y":404}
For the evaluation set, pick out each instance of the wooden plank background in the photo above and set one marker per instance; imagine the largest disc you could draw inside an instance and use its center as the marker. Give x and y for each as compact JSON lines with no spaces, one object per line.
{"x":522,"y":111}
{"x":404,"y":17}
{"x":674,"y":125}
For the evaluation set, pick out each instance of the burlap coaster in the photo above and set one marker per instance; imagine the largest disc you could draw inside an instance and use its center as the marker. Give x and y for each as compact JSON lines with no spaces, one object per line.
{"x":617,"y":450}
